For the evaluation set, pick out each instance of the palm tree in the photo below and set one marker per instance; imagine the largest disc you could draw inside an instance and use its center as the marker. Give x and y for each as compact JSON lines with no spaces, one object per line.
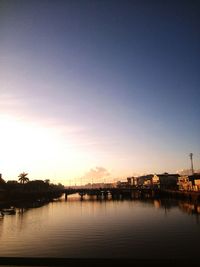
{"x":23,"y":178}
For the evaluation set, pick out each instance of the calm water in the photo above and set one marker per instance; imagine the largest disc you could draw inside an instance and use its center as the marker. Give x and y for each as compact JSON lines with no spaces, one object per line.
{"x":91,"y":228}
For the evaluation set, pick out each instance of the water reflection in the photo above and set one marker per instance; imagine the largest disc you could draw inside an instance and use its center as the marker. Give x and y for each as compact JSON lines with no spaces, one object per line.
{"x":164,"y":203}
{"x":101,"y":228}
{"x":1,"y":226}
{"x":189,"y":208}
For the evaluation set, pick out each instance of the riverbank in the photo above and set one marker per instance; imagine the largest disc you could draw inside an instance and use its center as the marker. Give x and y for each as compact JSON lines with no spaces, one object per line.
{"x":29,"y":199}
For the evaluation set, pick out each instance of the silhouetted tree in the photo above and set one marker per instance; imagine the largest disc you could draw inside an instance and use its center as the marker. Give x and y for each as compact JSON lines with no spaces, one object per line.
{"x":1,"y":179}
{"x":36,"y":185}
{"x":60,"y":186}
{"x":12,"y":185}
{"x":23,"y":178}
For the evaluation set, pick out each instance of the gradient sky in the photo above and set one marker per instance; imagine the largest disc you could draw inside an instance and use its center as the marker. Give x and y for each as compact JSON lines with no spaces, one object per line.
{"x":107,"y":84}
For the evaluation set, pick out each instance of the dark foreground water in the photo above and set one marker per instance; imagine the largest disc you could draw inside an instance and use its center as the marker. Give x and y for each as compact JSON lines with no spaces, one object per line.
{"x":103,"y":229}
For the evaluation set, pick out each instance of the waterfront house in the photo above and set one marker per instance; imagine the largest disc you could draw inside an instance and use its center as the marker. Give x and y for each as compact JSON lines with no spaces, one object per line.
{"x":127,"y":184}
{"x":195,"y":180}
{"x":184,"y":184}
{"x":129,"y":181}
{"x":147,"y":183}
{"x":197,"y":185}
{"x":144,"y":180}
{"x":122,"y":184}
{"x":132,"y":180}
{"x":155,"y":181}
{"x":166,"y":180}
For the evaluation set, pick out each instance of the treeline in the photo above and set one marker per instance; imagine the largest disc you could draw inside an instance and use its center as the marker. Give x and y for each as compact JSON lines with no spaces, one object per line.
{"x":29,"y":190}
{"x":35,"y":185}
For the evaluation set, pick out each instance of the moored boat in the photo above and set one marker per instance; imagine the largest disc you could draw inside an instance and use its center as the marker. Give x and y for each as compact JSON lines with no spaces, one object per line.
{"x":1,"y":214}
{"x":10,"y":211}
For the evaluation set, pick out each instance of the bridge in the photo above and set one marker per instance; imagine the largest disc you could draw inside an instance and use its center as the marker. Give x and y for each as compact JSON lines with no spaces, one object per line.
{"x":115,"y":193}
{"x":132,"y":193}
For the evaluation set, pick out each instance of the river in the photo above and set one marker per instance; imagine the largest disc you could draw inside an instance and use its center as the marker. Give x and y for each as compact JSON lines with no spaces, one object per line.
{"x":103,"y":229}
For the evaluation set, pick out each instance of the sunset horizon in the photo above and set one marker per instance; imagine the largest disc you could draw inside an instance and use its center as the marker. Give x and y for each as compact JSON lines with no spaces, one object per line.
{"x":99,"y":87}
{"x":99,"y":132}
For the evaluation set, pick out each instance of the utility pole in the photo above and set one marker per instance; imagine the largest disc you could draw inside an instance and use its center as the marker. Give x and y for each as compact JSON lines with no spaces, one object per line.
{"x":191,"y":158}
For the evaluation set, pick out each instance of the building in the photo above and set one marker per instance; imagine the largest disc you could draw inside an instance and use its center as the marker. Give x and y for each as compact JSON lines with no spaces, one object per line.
{"x":184,"y":184}
{"x":132,"y":180}
{"x":129,"y":181}
{"x":147,"y":183}
{"x":155,"y":181}
{"x":166,"y":180}
{"x":144,"y":180}
{"x":195,"y":181}
{"x":127,"y":184}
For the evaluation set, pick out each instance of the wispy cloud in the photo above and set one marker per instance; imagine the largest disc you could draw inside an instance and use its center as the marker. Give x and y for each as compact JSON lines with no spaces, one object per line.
{"x":10,"y":101}
{"x":19,"y":108}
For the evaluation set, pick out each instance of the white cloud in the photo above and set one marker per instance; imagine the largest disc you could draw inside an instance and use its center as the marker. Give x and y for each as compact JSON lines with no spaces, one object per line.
{"x":97,"y":173}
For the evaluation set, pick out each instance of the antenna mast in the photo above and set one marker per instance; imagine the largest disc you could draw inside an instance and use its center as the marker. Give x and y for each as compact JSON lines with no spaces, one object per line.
{"x":191,"y":158}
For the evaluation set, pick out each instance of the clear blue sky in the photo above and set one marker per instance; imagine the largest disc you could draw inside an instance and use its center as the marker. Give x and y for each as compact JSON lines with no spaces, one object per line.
{"x":113,"y":84}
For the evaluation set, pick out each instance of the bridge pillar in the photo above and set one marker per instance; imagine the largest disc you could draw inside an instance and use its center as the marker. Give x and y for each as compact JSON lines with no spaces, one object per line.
{"x":98,"y":196}
{"x":81,"y":195}
{"x":105,"y":194}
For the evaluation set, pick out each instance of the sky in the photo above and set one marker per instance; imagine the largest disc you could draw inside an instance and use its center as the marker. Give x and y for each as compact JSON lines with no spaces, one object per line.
{"x":98,"y":90}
